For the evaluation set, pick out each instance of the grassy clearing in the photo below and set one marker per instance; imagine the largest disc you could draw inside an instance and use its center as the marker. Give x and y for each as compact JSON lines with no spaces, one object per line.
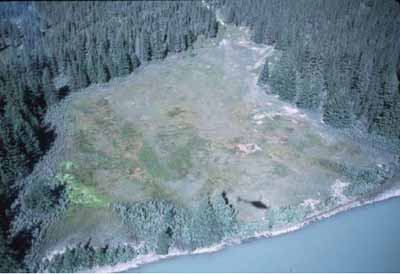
{"x":173,"y":134}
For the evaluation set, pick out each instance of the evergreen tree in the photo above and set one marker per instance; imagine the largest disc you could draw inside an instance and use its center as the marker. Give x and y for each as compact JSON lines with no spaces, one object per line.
{"x":309,"y":90}
{"x":92,"y":68}
{"x":258,"y":35}
{"x":336,"y":111}
{"x":264,"y":75}
{"x":178,"y":44}
{"x":158,"y":48}
{"x":125,"y":64}
{"x":283,"y":78}
{"x":8,"y":263}
{"x":144,"y":47}
{"x":104,"y":72}
{"x":134,"y":61}
{"x":189,"y":37}
{"x":48,"y":86}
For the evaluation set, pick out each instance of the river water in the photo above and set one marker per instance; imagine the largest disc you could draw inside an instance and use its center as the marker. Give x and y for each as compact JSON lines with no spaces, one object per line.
{"x":364,"y":239}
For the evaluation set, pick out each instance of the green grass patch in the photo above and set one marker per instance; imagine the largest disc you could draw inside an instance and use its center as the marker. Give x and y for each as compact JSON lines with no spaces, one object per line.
{"x":149,"y":160}
{"x":103,"y":161}
{"x":175,"y":158}
{"x":84,"y":175}
{"x":180,"y":161}
{"x":85,"y":107}
{"x":280,"y":170}
{"x":175,"y":112}
{"x":78,"y":192}
{"x":155,"y":189}
{"x":103,"y":122}
{"x":128,"y":132}
{"x":298,"y":146}
{"x":83,"y":143}
{"x":275,"y":124}
{"x":313,"y":139}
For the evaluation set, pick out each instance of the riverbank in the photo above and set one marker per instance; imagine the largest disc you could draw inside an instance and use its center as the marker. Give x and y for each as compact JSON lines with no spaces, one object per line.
{"x":151,"y":258}
{"x":364,"y":239}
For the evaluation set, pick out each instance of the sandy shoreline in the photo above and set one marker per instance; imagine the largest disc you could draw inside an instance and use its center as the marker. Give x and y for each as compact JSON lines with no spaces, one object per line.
{"x":149,"y":258}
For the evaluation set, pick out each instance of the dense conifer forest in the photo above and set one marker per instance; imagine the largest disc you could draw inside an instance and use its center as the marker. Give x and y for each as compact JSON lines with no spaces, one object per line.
{"x":339,"y":58}
{"x":349,"y":50}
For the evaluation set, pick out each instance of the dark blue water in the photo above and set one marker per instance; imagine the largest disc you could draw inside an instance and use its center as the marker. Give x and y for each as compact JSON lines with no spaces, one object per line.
{"x":365,"y":239}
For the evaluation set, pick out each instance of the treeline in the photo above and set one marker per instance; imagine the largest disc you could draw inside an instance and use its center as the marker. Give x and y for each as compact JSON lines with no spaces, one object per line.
{"x":160,"y":226}
{"x":86,"y":257}
{"x":163,"y":225}
{"x":48,"y":49}
{"x":339,"y":57}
